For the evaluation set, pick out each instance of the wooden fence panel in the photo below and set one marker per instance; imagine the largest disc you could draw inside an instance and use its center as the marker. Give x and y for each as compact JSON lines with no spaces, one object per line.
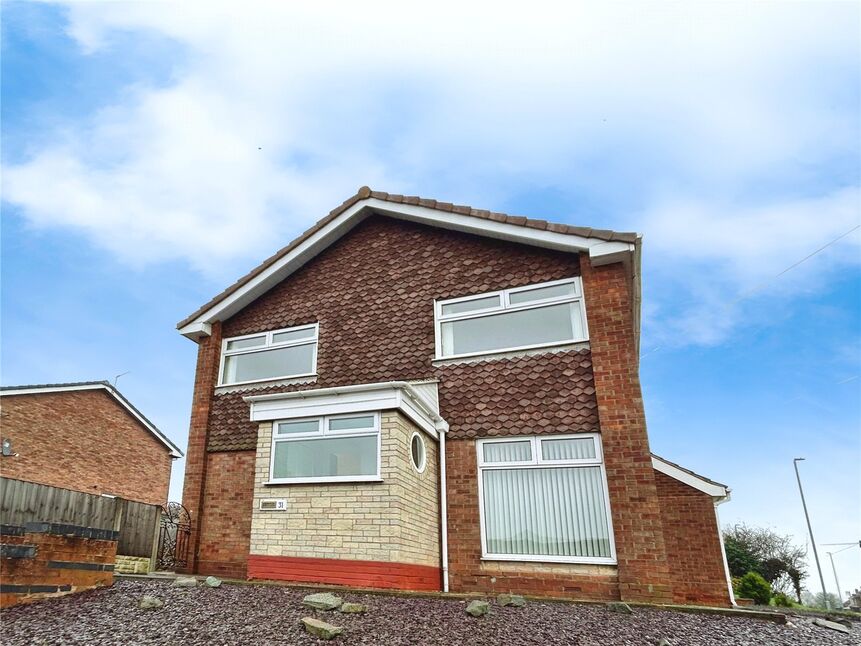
{"x":138,"y":528}
{"x":26,"y":502}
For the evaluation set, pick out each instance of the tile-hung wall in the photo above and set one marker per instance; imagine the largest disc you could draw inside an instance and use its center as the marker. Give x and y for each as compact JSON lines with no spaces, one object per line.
{"x":395,"y":521}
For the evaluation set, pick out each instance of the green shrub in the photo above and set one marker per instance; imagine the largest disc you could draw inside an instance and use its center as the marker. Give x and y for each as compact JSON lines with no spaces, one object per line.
{"x":753,"y":586}
{"x":781,"y":600}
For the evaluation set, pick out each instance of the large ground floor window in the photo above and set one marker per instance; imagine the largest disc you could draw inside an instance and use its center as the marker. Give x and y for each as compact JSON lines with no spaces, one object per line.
{"x":544,"y":499}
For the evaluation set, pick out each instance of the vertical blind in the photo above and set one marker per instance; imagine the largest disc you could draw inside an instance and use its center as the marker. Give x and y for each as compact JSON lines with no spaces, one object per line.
{"x":546,"y":511}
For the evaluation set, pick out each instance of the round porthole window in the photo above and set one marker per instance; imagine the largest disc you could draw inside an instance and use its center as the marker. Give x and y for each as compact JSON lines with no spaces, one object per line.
{"x":417,"y":450}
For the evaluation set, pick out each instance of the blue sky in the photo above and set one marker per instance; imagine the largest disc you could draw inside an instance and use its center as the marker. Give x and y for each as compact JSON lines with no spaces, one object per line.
{"x":150,"y":157}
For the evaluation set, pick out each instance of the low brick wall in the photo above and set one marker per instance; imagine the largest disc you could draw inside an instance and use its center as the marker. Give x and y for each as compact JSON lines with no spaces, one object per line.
{"x":44,"y":560}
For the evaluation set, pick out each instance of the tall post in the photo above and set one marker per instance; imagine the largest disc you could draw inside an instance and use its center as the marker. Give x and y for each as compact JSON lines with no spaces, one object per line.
{"x":810,"y":531}
{"x":836,"y":581}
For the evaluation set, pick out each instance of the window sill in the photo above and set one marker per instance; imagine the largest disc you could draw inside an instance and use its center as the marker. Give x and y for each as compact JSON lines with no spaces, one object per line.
{"x":508,"y":354}
{"x":266,"y":383}
{"x":551,"y":560}
{"x":312,"y":481}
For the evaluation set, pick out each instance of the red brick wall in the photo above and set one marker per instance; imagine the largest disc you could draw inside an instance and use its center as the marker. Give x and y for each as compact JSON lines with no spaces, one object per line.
{"x":692,"y":543}
{"x":225,"y":522}
{"x":643,"y":570}
{"x":59,"y":563}
{"x":86,"y":441}
{"x":205,"y":378}
{"x":356,"y":574}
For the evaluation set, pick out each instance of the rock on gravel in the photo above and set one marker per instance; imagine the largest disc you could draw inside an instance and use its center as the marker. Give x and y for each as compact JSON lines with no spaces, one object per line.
{"x":320,"y":628}
{"x":255,"y":614}
{"x":322,"y":601}
{"x":353,"y":608}
{"x":621,"y":608}
{"x":832,"y":625}
{"x":478,"y":608}
{"x":149,"y":602}
{"x":511,"y":600}
{"x":184,"y":582}
{"x":212,"y":582}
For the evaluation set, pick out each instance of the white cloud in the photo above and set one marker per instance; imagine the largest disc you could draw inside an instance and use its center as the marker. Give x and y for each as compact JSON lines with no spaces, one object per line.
{"x":278,"y":111}
{"x":720,"y":256}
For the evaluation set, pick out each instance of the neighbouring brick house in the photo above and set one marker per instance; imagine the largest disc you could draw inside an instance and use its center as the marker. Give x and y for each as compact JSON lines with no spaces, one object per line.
{"x":420,"y":395}
{"x":85,"y":437}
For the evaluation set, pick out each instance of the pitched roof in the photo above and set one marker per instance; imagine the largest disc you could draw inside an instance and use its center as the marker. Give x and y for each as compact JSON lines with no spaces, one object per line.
{"x":365,"y":193}
{"x":677,"y":471}
{"x":38,"y":389}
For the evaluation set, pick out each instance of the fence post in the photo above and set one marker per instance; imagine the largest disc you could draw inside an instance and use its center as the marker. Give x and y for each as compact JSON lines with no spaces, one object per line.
{"x":153,"y":560}
{"x":119,"y":508}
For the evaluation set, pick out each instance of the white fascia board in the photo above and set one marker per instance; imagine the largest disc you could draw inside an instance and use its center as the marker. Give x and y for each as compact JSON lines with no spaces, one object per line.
{"x":604,"y":252}
{"x":345,"y":400}
{"x":716,"y":491}
{"x":493,"y":229}
{"x":161,"y":437}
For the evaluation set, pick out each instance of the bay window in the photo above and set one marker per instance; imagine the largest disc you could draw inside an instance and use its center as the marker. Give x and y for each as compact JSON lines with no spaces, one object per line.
{"x":544,"y":499}
{"x":344,"y":448}
{"x":278,"y":354}
{"x":534,"y":316}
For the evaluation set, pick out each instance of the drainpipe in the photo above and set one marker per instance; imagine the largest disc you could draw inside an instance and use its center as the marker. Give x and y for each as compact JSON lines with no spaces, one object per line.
{"x":720,"y":501}
{"x":443,"y":511}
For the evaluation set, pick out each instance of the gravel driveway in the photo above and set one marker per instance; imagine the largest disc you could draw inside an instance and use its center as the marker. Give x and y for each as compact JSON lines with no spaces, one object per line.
{"x":258,"y":614}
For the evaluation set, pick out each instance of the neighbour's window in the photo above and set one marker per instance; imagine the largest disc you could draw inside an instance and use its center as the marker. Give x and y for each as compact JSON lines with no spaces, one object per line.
{"x":544,"y":499}
{"x":326,"y":449}
{"x":511,"y":319}
{"x":417,"y":452}
{"x":278,"y":354}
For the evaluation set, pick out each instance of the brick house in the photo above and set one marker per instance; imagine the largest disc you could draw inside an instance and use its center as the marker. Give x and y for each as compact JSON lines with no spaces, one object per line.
{"x":85,"y":437}
{"x":425,"y":396}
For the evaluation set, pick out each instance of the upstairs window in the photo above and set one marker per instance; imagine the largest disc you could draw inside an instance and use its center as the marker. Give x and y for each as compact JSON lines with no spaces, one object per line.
{"x":278,"y":354}
{"x":534,"y":316}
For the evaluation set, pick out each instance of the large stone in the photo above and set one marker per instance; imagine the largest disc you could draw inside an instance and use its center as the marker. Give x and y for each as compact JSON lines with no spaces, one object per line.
{"x":320,"y":628}
{"x":831,"y":625}
{"x":352,"y":608}
{"x":149,"y":602}
{"x":511,"y":600}
{"x":620,"y":607}
{"x":478,"y":608}
{"x":322,"y":601}
{"x":664,"y":642}
{"x":184,"y":582}
{"x":212,"y":581}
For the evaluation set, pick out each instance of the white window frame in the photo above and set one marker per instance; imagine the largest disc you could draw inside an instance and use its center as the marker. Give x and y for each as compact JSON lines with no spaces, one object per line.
{"x":419,"y":468}
{"x":538,"y":461}
{"x":324,"y":432}
{"x":505,"y":306}
{"x":269,"y":345}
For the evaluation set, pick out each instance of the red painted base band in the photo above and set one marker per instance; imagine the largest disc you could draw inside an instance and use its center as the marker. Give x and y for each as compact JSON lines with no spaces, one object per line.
{"x":358,"y":574}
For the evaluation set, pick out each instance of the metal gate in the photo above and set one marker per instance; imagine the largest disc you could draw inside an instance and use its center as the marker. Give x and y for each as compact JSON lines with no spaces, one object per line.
{"x":173,"y":537}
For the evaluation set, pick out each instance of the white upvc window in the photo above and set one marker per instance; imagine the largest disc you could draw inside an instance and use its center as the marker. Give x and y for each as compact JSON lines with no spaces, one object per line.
{"x":266,"y":356}
{"x":535,"y":316}
{"x":544,"y":499}
{"x":337,"y":448}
